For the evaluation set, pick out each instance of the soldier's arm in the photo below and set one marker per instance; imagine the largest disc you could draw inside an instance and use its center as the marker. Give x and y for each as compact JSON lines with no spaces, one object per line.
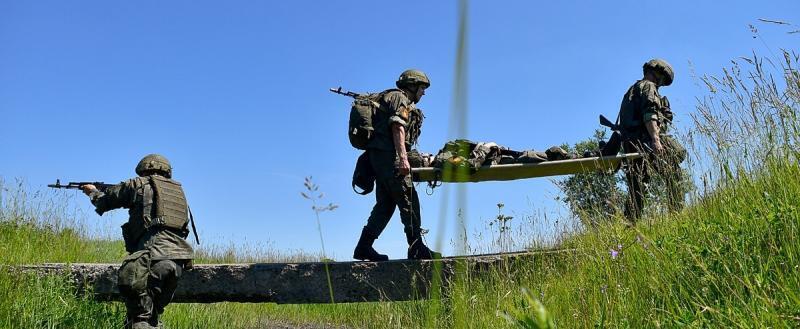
{"x":652,"y":129}
{"x":117,"y":196}
{"x":400,"y":108}
{"x":399,"y":138}
{"x":651,"y":103}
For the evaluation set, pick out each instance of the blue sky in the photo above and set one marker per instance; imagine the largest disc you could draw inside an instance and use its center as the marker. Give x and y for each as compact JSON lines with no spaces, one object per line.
{"x":235,"y":94}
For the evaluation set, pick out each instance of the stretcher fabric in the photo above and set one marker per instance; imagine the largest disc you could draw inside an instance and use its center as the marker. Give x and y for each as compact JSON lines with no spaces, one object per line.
{"x":516,"y":171}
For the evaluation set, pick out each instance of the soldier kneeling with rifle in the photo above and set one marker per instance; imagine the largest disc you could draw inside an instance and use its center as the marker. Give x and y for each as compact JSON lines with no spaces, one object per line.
{"x":155,"y":238}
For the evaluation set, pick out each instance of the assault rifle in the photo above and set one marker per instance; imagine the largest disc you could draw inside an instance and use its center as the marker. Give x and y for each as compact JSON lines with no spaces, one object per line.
{"x":614,"y":143}
{"x":605,"y":122}
{"x":102,"y":187}
{"x":78,"y":185}
{"x":346,"y":93}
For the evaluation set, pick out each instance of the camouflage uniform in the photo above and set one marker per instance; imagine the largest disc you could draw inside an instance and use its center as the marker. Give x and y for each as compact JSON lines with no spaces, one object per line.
{"x":392,"y":190}
{"x":641,"y":104}
{"x":158,"y":252}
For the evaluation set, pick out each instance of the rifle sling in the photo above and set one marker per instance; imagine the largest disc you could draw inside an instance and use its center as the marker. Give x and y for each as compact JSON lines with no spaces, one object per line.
{"x":194,"y":229}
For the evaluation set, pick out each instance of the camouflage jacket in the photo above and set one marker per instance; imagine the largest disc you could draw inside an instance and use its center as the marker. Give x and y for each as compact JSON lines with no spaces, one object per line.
{"x":162,"y":243}
{"x":395,"y":107}
{"x":641,"y":103}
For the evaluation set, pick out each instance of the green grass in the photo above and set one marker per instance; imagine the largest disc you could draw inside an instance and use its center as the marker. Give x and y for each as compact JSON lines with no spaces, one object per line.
{"x":30,"y":234}
{"x":730,"y":260}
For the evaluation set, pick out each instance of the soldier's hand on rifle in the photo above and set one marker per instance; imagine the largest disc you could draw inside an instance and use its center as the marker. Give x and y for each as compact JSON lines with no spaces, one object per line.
{"x":88,"y":189}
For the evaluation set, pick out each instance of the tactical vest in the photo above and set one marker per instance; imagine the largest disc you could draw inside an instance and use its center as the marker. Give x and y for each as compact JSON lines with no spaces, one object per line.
{"x":162,"y":204}
{"x":168,"y":206}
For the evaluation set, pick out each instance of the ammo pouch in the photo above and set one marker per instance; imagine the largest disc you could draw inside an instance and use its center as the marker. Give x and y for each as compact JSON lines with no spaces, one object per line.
{"x":363,"y":175}
{"x":132,"y":275}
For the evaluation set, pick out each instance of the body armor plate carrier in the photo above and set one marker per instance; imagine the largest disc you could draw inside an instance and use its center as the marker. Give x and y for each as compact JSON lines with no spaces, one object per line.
{"x":171,"y":208}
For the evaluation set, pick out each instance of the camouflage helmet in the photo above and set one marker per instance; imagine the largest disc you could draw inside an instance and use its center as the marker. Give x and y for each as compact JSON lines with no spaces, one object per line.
{"x":413,"y":77}
{"x":660,"y":65}
{"x":156,"y":163}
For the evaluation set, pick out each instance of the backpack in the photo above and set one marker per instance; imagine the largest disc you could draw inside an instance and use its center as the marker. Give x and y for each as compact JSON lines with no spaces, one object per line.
{"x":359,"y":128}
{"x":362,"y":111}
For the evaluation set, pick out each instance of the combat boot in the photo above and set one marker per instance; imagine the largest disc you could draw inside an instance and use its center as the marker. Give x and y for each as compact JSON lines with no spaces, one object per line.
{"x":364,"y":250}
{"x":419,"y":250}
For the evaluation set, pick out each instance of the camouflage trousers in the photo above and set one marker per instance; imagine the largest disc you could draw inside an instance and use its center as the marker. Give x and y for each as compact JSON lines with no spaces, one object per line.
{"x":147,"y":286}
{"x":639,"y":174}
{"x":393,"y":192}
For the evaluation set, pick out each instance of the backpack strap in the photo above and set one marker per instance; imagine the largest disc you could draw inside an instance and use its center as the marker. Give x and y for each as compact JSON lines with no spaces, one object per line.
{"x":383,"y":93}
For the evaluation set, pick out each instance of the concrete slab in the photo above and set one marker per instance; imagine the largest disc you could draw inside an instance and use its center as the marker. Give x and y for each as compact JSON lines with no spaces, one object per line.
{"x":299,"y":283}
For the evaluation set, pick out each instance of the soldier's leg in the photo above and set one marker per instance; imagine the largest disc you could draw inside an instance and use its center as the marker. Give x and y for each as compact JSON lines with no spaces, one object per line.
{"x":132,"y":284}
{"x":163,"y":280}
{"x":634,"y":202}
{"x":378,"y":219}
{"x":410,"y":213}
{"x":636,"y":177}
{"x":139,"y":308}
{"x":417,"y":248}
{"x":383,"y":210}
{"x":400,"y":192}
{"x":673,"y":178}
{"x":382,"y":163}
{"x":407,"y":200}
{"x":672,"y":173}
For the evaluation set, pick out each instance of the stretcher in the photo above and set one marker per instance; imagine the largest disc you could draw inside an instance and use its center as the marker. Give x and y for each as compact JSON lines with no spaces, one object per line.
{"x":516,"y":171}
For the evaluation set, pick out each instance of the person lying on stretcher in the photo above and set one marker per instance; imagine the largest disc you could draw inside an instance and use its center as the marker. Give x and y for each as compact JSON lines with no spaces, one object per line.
{"x":462,"y":152}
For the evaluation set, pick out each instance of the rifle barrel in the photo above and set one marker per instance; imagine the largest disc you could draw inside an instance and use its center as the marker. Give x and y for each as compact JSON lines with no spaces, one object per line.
{"x":344,"y":92}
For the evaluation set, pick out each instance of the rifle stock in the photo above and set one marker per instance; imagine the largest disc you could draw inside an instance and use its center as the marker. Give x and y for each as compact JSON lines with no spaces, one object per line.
{"x":605,"y":122}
